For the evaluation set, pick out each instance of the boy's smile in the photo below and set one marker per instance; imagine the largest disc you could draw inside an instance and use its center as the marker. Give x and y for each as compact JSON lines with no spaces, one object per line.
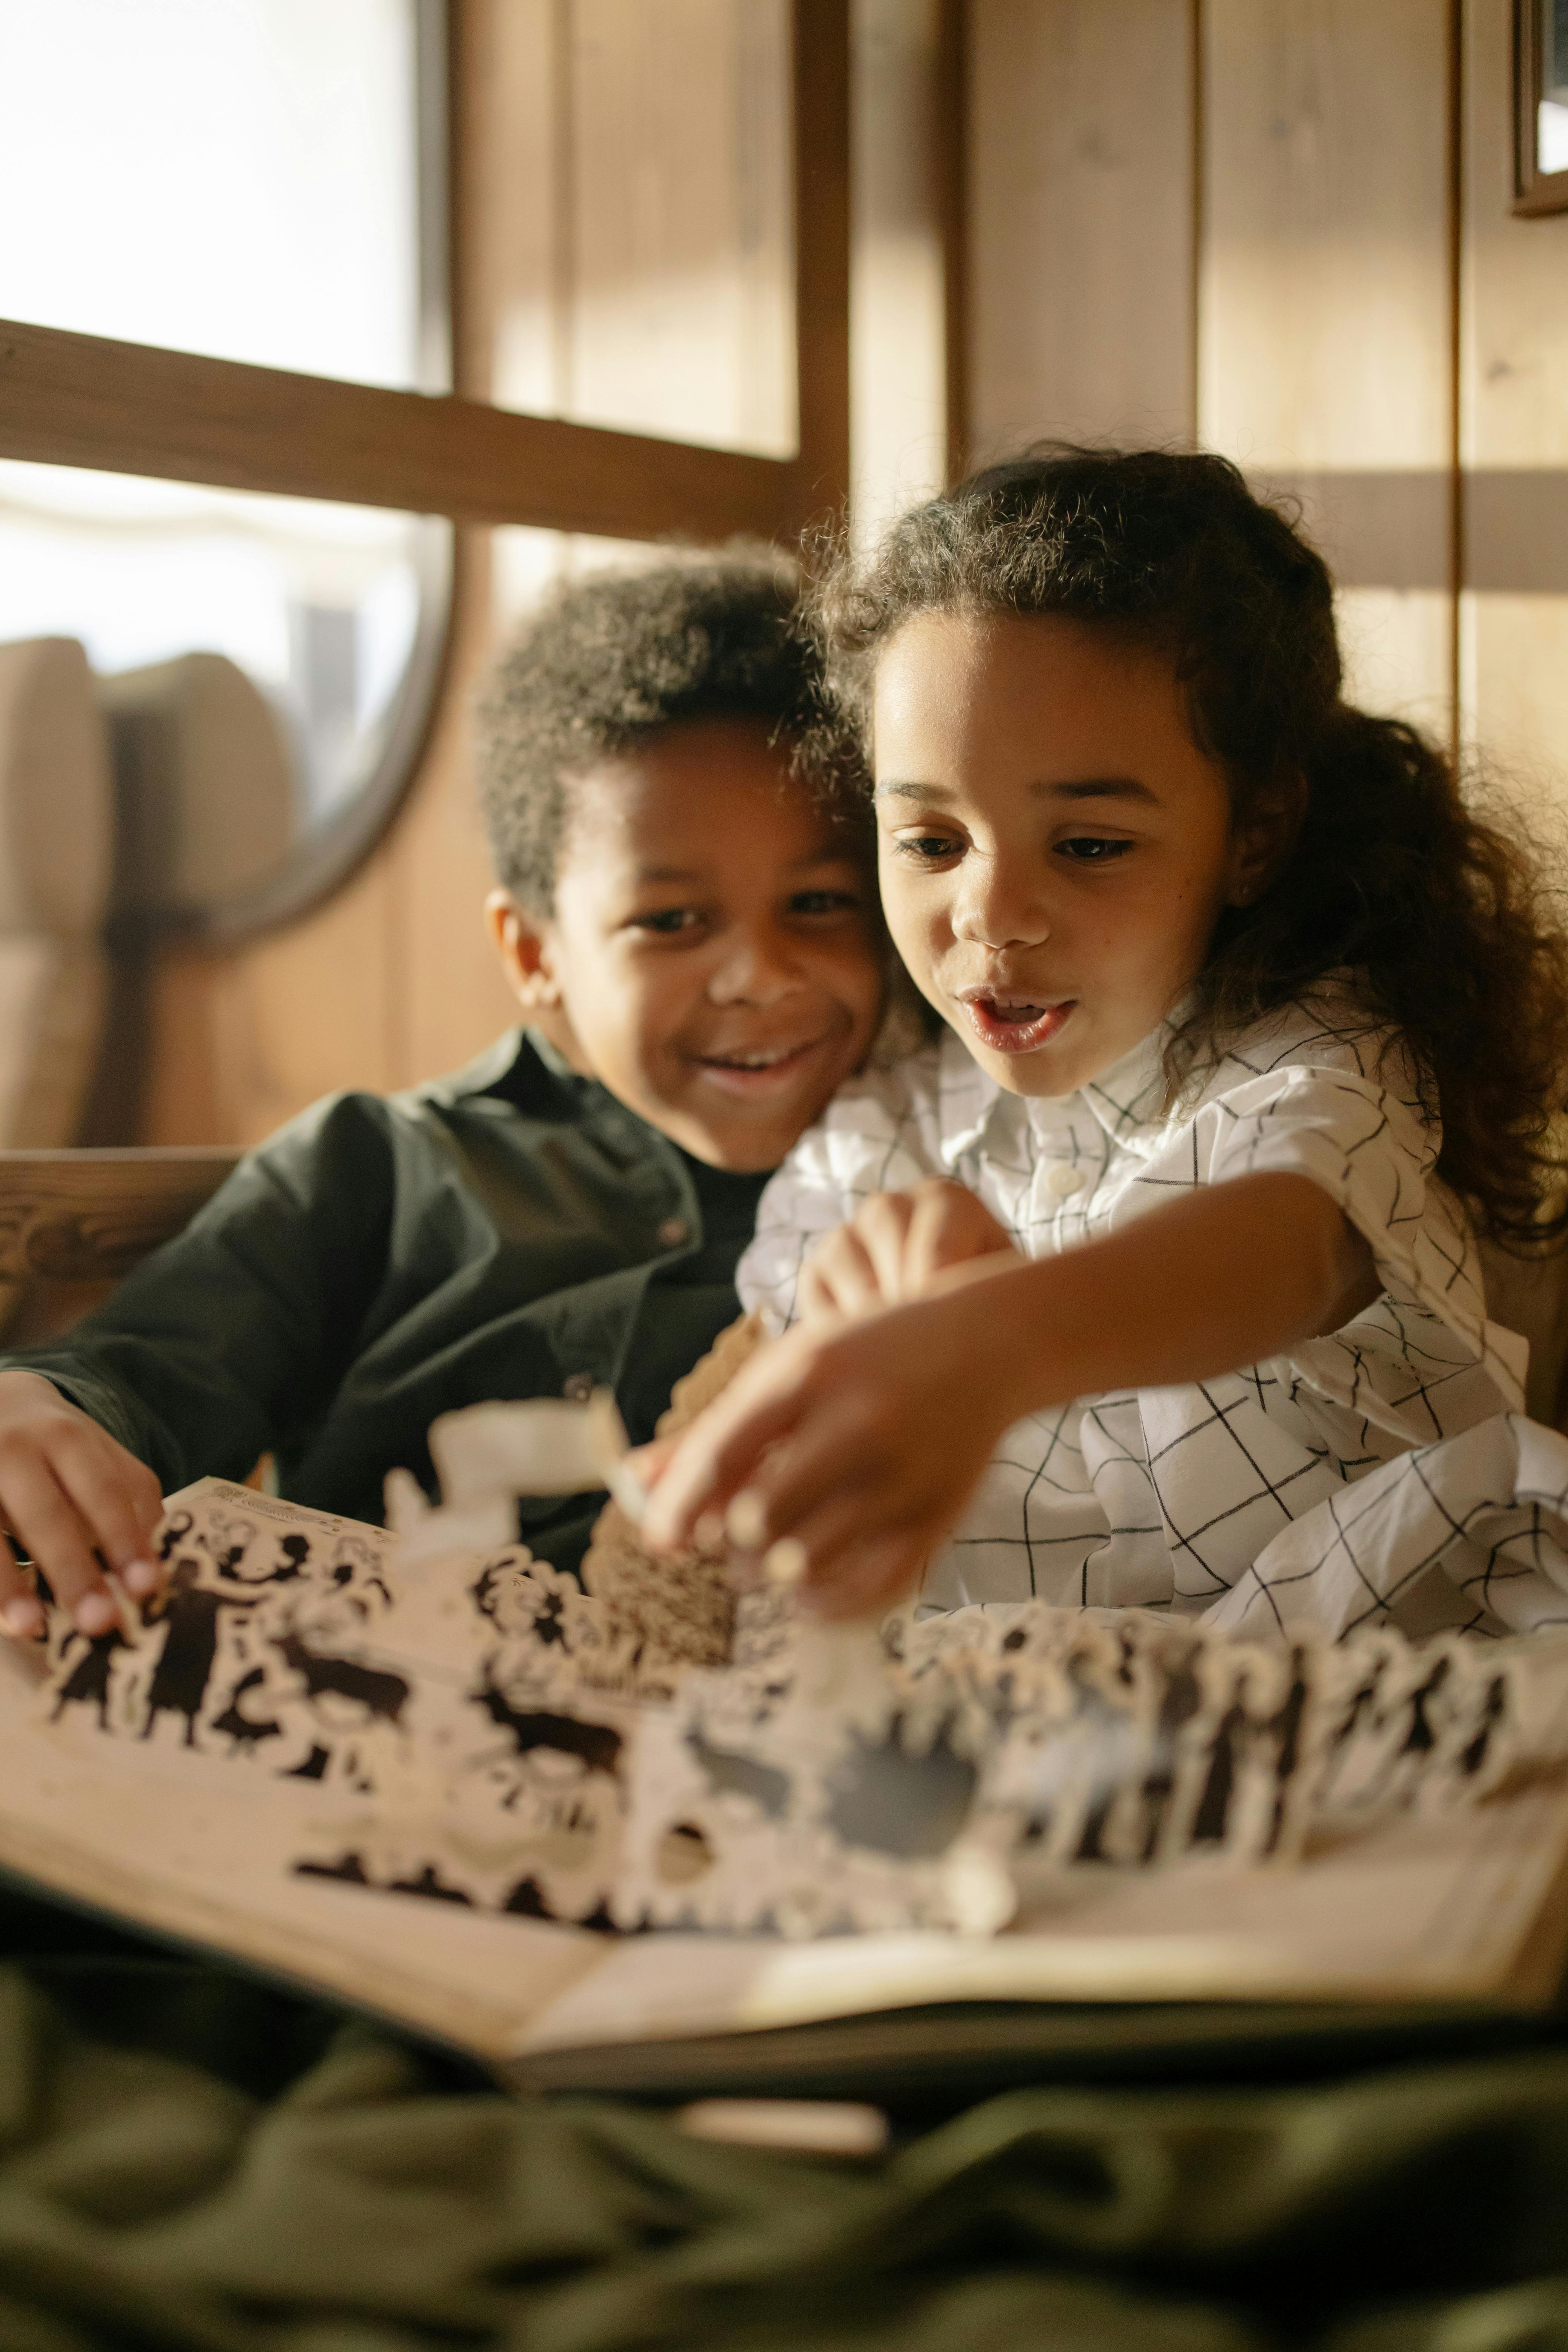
{"x":1054,"y":850}
{"x":713,"y":955}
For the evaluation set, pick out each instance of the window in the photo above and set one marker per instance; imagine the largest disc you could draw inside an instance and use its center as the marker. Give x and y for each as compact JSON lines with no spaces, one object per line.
{"x":1540,"y":106}
{"x":231,"y":378}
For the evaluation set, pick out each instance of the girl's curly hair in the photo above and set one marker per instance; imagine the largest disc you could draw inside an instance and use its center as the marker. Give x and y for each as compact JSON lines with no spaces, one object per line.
{"x":1443,"y":912}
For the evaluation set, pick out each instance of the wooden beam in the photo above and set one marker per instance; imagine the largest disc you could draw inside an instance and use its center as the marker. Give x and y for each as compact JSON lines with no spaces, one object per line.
{"x":822,"y":253}
{"x":952,"y":187}
{"x":127,"y":408}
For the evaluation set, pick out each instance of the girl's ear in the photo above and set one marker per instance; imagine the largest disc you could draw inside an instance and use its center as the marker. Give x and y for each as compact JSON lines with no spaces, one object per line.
{"x":1262,"y":843}
{"x":526,"y":948}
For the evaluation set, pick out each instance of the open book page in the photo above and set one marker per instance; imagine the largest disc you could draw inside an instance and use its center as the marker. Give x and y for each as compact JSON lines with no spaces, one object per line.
{"x":483,"y":1732}
{"x":189,"y":1847}
{"x":1473,"y":1906}
{"x":272,"y":1740}
{"x":1436,"y":1909}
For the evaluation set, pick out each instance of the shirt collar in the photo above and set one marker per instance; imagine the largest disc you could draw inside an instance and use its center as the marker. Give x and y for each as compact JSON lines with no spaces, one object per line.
{"x":1126,"y":1100}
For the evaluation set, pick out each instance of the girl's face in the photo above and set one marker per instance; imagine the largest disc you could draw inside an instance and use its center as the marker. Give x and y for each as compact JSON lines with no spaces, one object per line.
{"x":1054,"y":849}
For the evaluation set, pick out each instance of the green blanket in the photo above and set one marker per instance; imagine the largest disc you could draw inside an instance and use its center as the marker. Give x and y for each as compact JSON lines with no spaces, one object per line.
{"x":188,"y":2161}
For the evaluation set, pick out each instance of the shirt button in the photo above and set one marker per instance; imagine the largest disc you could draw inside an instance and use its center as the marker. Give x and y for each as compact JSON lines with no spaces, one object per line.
{"x":1064,"y":1180}
{"x":578,"y":1386}
{"x":673,"y":1231}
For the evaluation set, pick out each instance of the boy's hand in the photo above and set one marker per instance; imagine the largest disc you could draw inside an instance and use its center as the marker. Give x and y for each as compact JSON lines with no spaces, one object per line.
{"x":68,"y":1489}
{"x":894,"y":1245}
{"x":863,"y":1440}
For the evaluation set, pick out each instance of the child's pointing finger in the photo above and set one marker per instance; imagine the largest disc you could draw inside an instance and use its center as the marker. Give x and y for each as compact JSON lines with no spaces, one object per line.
{"x":717,"y":1458}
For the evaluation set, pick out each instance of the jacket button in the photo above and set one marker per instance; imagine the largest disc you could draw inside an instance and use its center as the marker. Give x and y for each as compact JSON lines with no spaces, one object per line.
{"x":579,"y":1387}
{"x":1065,"y":1181}
{"x":673,"y":1231}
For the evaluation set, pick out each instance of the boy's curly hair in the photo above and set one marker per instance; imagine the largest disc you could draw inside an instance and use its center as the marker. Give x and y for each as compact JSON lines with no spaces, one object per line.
{"x":607,"y":659}
{"x":1442,"y":911}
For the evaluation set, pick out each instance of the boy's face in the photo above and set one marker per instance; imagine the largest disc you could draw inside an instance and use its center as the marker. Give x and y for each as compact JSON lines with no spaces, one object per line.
{"x":1054,"y":850}
{"x":714,"y":957}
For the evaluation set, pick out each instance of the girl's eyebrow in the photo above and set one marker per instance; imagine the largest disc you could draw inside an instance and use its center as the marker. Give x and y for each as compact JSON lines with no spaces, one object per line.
{"x":1099,"y":788}
{"x":1078,"y":788}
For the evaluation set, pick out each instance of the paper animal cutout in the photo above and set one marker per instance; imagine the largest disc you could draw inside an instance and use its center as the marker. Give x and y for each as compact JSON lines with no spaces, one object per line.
{"x":651,"y":1747}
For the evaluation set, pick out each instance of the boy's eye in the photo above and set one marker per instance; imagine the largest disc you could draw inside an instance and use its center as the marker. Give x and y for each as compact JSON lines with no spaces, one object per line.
{"x":1092,"y":849}
{"x":823,"y":902}
{"x":665,"y":920}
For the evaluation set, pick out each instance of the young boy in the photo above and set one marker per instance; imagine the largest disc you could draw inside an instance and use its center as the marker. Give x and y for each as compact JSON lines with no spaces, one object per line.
{"x":692,"y":931}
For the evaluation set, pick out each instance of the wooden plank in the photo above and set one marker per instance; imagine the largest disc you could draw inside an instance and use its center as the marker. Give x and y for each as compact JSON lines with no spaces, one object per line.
{"x":503,"y":203}
{"x":821,"y":252}
{"x":900,"y":280}
{"x":90,"y":1216}
{"x":675,"y":240}
{"x":449,"y":996}
{"x":1326,"y":306}
{"x":1080,"y":245}
{"x":1513,"y":446}
{"x":244,"y":1037}
{"x":80,"y":400}
{"x":952,"y":161}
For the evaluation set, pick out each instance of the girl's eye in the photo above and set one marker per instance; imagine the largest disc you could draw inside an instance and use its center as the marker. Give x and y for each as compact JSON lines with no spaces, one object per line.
{"x":666,"y":920}
{"x":926,"y":848}
{"x":1092,"y":849}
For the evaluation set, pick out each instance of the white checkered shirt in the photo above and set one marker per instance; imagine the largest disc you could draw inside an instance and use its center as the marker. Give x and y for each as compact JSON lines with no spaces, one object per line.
{"x":1166,"y":1497}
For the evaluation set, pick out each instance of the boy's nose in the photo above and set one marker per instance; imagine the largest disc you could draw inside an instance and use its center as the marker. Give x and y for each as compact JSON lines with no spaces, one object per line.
{"x":756,"y":970}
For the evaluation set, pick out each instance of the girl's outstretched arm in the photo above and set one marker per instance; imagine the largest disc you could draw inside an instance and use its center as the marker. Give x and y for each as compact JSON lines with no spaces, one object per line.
{"x":864,"y":1438}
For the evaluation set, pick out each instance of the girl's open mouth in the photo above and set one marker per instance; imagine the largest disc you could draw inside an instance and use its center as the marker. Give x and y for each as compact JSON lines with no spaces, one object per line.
{"x":1014,"y":1024}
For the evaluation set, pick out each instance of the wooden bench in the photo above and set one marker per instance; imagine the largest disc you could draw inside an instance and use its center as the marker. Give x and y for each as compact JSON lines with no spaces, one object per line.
{"x":73,"y":1223}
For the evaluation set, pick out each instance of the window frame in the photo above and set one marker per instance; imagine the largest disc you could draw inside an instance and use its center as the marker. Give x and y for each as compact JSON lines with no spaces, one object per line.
{"x":68,"y":399}
{"x":1535,"y":193}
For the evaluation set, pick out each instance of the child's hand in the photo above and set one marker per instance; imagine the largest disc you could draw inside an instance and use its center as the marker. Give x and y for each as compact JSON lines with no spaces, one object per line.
{"x":862,"y":1440}
{"x":66,"y":1490}
{"x":894,"y":1245}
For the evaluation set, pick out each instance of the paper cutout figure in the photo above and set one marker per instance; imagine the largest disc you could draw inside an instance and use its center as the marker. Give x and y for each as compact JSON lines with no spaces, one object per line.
{"x":658,"y":1745}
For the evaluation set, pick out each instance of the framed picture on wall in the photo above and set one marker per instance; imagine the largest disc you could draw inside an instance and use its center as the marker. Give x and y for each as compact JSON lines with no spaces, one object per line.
{"x":1540,"y":106}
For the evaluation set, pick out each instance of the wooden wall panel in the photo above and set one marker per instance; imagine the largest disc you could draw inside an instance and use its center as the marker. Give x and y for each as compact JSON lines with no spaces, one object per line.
{"x":898,"y":293}
{"x":242,"y":1038}
{"x":449,"y":997}
{"x":678,"y":195}
{"x":1325,"y":321}
{"x":1081,"y":252}
{"x":1514,"y":443}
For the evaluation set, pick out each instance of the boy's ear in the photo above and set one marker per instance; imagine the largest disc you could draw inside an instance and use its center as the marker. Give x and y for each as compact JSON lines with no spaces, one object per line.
{"x":1262,"y":844}
{"x":522,"y":942}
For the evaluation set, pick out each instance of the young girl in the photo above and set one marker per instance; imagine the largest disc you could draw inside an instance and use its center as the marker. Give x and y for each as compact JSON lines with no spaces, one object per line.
{"x":1249,"y":1022}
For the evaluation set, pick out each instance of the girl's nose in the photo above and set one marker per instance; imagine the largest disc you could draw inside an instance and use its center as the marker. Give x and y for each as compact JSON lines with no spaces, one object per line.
{"x":757,"y":969}
{"x":993,"y":911}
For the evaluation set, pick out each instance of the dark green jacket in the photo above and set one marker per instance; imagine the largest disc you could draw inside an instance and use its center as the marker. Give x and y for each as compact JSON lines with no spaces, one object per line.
{"x":512,"y":1230}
